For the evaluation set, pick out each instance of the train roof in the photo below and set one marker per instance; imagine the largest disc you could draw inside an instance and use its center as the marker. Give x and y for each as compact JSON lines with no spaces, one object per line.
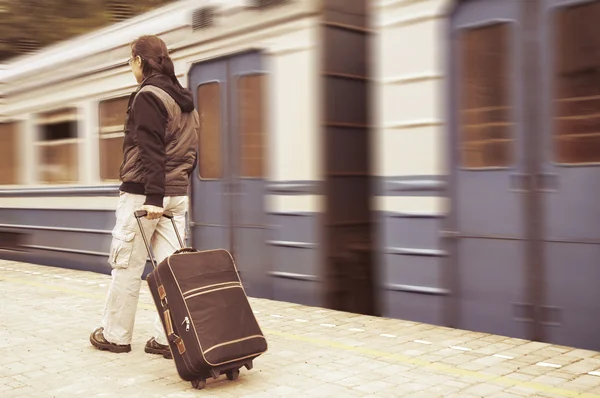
{"x":165,"y":19}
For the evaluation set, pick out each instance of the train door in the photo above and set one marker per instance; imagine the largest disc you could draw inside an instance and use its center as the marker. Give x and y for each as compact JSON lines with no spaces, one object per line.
{"x":488,"y":167}
{"x":229,"y":183}
{"x":525,"y":125}
{"x":569,"y":177}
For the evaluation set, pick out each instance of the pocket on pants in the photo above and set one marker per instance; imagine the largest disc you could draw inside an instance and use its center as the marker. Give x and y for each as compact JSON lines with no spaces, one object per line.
{"x":121,"y":248}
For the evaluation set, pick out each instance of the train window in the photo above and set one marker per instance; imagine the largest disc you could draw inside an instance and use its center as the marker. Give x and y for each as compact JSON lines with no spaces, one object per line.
{"x":209,"y":140}
{"x":57,"y":147}
{"x":486,"y":103}
{"x":577,"y":84}
{"x":112,"y":114}
{"x":8,"y":153}
{"x":251,"y":102}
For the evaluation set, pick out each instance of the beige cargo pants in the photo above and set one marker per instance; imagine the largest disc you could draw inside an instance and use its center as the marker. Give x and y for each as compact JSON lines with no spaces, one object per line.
{"x":128,"y":258}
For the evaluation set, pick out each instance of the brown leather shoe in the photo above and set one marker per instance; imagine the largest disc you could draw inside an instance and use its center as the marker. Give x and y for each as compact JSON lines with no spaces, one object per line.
{"x":152,"y":347}
{"x":97,"y":339}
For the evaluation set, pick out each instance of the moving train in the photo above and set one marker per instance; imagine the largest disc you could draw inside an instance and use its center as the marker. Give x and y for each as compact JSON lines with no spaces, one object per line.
{"x":430,"y":160}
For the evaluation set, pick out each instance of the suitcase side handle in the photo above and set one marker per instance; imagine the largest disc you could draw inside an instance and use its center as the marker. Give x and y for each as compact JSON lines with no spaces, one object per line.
{"x":167,"y":214}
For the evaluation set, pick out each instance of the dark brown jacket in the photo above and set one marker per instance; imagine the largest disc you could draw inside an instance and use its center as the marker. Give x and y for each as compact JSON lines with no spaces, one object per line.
{"x":159,"y":149}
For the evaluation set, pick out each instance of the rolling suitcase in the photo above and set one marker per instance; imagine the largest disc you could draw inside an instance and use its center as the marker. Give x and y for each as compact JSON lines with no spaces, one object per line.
{"x":205,"y":313}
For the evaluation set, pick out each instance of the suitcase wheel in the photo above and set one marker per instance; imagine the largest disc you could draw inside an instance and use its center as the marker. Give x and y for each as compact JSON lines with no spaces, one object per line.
{"x":233,"y":374}
{"x":215,"y":373}
{"x":199,"y":384}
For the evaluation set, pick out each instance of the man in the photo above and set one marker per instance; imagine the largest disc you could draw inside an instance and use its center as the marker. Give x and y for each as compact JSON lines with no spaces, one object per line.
{"x":159,"y":152}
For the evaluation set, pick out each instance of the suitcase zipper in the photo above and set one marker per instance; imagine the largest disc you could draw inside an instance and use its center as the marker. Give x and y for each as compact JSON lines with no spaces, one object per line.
{"x":186,"y":320}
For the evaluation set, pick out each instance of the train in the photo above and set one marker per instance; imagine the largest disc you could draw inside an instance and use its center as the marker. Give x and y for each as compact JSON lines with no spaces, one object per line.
{"x":408,"y":159}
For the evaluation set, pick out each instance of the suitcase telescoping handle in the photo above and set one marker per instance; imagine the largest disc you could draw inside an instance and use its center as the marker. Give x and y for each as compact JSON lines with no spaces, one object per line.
{"x":167,"y":214}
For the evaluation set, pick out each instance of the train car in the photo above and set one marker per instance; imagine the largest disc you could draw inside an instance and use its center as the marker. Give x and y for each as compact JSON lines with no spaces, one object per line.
{"x":487,"y":153}
{"x":417,"y":159}
{"x":271,"y":80}
{"x":522,"y":234}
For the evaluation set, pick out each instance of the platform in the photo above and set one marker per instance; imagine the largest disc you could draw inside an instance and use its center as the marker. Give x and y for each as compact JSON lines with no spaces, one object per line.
{"x":47,"y":314}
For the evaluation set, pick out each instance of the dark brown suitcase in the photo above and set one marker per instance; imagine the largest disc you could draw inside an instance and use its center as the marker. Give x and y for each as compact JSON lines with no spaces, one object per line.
{"x":206,"y":315}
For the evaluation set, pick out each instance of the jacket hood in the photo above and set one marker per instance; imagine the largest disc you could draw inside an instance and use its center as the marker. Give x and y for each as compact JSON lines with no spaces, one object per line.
{"x":181,"y":95}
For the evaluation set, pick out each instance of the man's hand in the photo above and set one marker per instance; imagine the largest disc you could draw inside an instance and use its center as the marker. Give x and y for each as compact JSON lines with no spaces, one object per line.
{"x":153,"y":212}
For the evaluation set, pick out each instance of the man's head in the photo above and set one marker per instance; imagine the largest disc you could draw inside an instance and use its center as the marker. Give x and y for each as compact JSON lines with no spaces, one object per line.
{"x":149,"y":55}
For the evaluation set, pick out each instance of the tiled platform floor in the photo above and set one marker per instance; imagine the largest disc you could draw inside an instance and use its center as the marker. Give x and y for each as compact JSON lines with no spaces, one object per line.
{"x":47,"y":314}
